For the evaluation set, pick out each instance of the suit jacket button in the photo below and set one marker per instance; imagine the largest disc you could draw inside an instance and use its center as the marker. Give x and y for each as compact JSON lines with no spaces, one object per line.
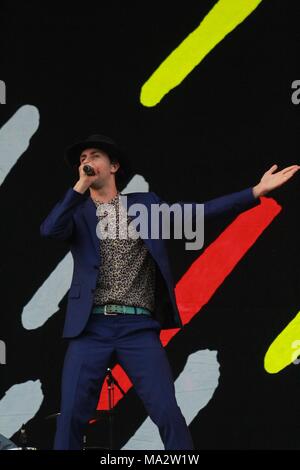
{"x":95,"y":266}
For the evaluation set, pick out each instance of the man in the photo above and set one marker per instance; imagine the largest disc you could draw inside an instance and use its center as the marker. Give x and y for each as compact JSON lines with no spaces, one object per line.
{"x":122,"y":292}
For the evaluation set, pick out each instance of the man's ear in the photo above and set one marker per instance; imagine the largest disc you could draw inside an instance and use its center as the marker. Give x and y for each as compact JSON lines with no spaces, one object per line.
{"x":115,"y":166}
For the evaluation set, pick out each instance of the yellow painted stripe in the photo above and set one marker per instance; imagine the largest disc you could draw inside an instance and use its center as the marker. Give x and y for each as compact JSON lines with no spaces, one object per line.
{"x":285,"y":349}
{"x":223,"y":18}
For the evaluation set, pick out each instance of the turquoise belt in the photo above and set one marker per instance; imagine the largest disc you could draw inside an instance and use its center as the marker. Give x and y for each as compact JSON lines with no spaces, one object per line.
{"x":110,"y":309}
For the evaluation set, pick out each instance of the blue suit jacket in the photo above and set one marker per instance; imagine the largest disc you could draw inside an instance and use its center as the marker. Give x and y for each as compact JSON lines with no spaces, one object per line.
{"x":74,"y":220}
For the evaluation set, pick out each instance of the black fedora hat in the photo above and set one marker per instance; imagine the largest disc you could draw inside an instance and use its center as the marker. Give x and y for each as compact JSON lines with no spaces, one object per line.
{"x":101,"y":142}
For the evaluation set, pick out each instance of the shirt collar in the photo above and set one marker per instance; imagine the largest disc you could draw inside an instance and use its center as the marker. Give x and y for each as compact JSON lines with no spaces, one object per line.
{"x":114,"y":200}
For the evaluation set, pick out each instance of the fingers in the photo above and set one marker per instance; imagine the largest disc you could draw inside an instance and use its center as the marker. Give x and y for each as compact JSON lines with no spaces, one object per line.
{"x":284,"y":177}
{"x":291,"y":172}
{"x":285,"y":170}
{"x":287,"y":176}
{"x":272,"y":169}
{"x":290,"y":168}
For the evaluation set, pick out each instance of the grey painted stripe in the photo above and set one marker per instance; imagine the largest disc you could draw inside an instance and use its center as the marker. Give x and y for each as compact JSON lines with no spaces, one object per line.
{"x":15,"y":137}
{"x":194,"y":389}
{"x":45,"y":301}
{"x":20,"y":404}
{"x":136,"y":184}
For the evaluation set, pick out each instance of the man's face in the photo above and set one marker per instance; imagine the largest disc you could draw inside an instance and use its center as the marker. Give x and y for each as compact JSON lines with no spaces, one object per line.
{"x":100,"y":161}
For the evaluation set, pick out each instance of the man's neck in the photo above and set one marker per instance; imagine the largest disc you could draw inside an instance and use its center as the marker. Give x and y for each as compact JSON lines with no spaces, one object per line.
{"x":103,"y":194}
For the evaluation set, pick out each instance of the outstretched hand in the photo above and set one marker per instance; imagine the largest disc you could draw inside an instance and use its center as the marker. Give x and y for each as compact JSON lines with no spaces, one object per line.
{"x":272,"y":180}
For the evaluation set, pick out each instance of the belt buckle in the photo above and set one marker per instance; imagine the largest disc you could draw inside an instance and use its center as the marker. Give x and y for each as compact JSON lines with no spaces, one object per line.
{"x":111,"y":314}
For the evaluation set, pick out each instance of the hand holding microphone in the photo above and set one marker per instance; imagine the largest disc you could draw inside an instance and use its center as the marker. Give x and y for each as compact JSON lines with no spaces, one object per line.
{"x":87,"y":175}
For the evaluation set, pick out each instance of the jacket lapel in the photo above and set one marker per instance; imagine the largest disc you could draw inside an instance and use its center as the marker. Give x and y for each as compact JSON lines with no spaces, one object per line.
{"x":89,"y":212}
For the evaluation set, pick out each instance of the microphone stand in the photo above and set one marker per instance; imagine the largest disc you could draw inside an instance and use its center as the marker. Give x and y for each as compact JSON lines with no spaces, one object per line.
{"x":111,"y":380}
{"x":111,"y":383}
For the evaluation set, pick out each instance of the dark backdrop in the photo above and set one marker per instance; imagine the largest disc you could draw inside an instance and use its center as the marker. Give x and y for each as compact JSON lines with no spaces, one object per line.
{"x":82,"y":66}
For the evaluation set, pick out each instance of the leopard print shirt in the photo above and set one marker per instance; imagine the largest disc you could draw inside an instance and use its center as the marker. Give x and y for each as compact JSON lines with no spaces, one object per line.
{"x":127,"y":270}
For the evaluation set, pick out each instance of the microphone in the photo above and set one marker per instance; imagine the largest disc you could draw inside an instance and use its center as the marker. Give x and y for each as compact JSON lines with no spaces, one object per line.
{"x":89,"y":170}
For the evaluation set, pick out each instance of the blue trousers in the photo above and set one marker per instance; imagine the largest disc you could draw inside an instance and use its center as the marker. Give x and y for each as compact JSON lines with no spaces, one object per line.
{"x":134,"y":339}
